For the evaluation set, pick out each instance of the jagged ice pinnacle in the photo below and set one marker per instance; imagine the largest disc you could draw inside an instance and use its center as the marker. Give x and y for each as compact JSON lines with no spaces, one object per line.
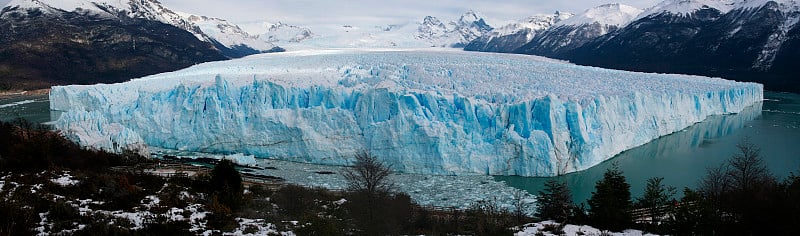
{"x":422,"y":111}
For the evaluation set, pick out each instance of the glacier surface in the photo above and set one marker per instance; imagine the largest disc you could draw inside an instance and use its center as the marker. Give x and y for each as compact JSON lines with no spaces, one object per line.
{"x":421,"y":111}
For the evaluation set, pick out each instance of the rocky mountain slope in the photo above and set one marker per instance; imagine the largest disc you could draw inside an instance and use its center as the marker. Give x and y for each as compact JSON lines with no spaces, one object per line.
{"x":745,"y":40}
{"x":510,"y":37}
{"x":49,"y":42}
{"x":755,"y":40}
{"x":574,"y":32}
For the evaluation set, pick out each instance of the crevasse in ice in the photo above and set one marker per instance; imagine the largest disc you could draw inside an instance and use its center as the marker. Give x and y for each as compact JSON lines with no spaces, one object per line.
{"x":421,"y":111}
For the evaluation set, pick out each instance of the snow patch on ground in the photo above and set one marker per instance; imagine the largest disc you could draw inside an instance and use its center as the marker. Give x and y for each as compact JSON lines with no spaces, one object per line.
{"x":65,"y":180}
{"x":256,"y":227}
{"x":150,"y":201}
{"x":534,"y":228}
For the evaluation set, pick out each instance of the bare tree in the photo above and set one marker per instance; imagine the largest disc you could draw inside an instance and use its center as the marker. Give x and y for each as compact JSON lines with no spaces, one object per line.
{"x":748,"y":170}
{"x":368,"y":175}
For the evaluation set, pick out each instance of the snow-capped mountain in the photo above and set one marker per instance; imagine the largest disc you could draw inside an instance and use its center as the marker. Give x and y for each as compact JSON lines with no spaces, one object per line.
{"x":91,"y":41}
{"x":228,"y":38}
{"x":749,"y":40}
{"x":278,"y":33}
{"x":686,"y":8}
{"x":510,"y":37}
{"x":575,"y":31}
{"x":453,"y":34}
{"x":431,"y":31}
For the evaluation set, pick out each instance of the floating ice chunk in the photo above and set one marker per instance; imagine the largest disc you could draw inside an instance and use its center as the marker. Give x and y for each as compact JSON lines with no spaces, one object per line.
{"x":241,"y":159}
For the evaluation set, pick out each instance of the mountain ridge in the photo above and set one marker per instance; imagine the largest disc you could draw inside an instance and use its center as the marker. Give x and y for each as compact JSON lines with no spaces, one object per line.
{"x":745,"y":40}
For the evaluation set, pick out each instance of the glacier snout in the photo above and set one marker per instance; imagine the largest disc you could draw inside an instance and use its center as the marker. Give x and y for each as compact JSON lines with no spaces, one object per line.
{"x":433,"y":112}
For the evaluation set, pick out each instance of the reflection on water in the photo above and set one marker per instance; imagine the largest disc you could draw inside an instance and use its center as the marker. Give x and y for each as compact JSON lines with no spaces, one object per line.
{"x":683,"y":157}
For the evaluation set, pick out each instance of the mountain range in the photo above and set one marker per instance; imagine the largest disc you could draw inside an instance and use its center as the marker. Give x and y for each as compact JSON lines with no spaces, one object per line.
{"x":46,"y":42}
{"x":50,"y":42}
{"x":745,"y":40}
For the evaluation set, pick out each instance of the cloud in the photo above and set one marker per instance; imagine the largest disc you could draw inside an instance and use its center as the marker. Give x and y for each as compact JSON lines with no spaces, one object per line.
{"x":311,"y":12}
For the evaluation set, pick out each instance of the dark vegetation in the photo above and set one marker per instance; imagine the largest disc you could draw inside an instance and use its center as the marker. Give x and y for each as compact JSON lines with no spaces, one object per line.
{"x":31,"y":156}
{"x":740,"y":197}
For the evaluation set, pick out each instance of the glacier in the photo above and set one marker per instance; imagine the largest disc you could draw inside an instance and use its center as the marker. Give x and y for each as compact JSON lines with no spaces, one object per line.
{"x":427,"y":111}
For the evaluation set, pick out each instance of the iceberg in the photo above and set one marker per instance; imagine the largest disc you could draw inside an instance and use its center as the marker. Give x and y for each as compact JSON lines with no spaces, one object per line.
{"x":427,"y":111}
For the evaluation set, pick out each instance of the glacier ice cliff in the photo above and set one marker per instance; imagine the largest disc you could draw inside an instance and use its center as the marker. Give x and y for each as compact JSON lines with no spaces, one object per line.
{"x":422,"y":111}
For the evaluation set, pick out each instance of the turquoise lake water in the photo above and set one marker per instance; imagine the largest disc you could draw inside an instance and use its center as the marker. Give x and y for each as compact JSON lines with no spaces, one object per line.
{"x":681,"y":158}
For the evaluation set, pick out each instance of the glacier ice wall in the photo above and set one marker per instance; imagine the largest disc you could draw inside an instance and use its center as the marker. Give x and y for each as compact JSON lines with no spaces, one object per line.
{"x":422,"y":111}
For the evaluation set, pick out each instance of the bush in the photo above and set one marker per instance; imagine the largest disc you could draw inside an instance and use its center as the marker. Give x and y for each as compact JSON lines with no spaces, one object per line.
{"x":380,"y":215}
{"x":16,"y":218}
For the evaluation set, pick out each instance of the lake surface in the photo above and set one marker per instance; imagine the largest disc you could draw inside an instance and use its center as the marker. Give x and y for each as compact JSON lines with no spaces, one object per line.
{"x":35,"y":109}
{"x":681,"y":158}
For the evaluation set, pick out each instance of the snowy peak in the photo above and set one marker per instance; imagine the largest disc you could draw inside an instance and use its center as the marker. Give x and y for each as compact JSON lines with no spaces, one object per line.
{"x":609,"y":14}
{"x":781,"y":5}
{"x":66,"y":5}
{"x":432,"y":26}
{"x":469,"y":16}
{"x":471,"y":20}
{"x":687,"y":7}
{"x":282,"y":32}
{"x":213,"y":30}
{"x":531,"y":25}
{"x":510,"y":37}
{"x":277,"y":32}
{"x":143,"y":9}
{"x":455,"y":33}
{"x":226,"y":33}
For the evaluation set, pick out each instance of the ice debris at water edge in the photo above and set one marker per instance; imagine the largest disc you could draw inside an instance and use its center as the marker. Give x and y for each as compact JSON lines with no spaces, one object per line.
{"x":421,"y":111}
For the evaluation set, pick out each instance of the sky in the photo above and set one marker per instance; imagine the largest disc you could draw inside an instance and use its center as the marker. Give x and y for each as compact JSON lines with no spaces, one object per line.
{"x":381,"y":12}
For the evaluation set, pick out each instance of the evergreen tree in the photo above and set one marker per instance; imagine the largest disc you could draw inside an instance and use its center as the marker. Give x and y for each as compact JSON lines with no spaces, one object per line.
{"x":611,"y":201}
{"x":656,"y":195}
{"x":226,"y":184}
{"x":657,"y":199}
{"x":555,"y":202}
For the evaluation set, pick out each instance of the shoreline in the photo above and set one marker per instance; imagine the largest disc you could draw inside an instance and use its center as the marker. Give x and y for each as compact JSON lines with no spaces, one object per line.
{"x":16,"y":94}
